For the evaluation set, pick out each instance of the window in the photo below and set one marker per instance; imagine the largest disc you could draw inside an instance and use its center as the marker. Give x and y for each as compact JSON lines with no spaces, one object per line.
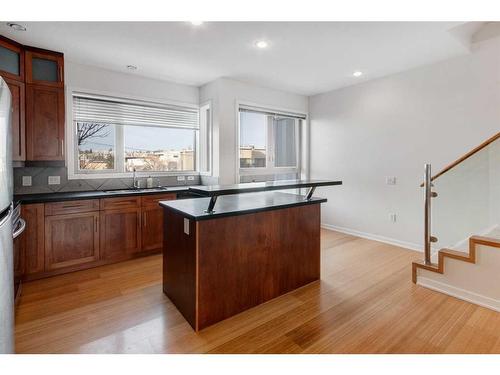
{"x":115,"y":136}
{"x":269,"y":143}
{"x":253,"y":139}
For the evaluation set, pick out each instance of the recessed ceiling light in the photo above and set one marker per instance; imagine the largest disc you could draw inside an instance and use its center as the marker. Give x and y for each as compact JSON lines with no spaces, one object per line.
{"x":16,"y":26}
{"x":357,"y":73}
{"x":196,"y":23}
{"x":261,"y":44}
{"x":131,"y":67}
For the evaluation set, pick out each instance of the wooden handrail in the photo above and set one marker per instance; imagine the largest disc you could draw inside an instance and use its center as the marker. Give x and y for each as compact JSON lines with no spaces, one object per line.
{"x":466,"y":156}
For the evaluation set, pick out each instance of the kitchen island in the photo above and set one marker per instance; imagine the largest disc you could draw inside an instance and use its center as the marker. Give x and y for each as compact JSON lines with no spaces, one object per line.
{"x":230,"y":251}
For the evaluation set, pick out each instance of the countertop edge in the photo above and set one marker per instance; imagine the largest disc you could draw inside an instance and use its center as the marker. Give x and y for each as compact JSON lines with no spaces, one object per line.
{"x":261,"y":187}
{"x":216,"y":215}
{"x":79,"y":195}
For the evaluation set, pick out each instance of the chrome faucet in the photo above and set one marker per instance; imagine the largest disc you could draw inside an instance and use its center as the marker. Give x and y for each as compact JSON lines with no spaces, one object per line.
{"x":135,"y":181}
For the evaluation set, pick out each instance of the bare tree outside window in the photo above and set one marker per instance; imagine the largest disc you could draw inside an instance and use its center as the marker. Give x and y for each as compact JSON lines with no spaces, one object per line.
{"x":89,"y":130}
{"x":96,"y":146}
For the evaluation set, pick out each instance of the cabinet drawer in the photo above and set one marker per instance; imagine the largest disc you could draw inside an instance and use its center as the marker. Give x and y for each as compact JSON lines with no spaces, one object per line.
{"x":120,"y":202}
{"x":152,"y":200}
{"x":71,"y":207}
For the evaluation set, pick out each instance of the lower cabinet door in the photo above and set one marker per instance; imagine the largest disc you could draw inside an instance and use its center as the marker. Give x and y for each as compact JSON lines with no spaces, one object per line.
{"x":71,"y":240}
{"x":120,"y":233}
{"x":152,"y":228}
{"x":32,"y":240}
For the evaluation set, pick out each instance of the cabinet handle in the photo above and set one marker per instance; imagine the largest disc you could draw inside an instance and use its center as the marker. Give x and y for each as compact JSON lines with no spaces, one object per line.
{"x":144,"y":219}
{"x":95,"y":224}
{"x":60,"y":74}
{"x":62,"y":147}
{"x":73,"y":206}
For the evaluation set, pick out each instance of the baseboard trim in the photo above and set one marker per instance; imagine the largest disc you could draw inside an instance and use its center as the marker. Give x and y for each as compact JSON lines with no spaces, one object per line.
{"x":374,"y":237}
{"x":459,"y":293}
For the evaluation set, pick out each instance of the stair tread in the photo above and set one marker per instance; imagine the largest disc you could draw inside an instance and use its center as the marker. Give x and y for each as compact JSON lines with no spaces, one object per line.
{"x":455,"y":253}
{"x":432,"y":266}
{"x":489,"y":241}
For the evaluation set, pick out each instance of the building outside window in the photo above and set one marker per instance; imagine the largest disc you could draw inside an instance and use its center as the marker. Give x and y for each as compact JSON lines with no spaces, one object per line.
{"x":269,"y":144}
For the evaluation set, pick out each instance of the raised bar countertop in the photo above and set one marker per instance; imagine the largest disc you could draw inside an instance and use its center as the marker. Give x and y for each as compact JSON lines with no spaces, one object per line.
{"x":232,"y":205}
{"x":253,"y":187}
{"x":76,"y":195}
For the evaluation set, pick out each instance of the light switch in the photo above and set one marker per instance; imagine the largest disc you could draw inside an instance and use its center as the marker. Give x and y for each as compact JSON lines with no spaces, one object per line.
{"x":26,"y":180}
{"x":186,"y":226}
{"x":392,"y":217}
{"x":54,"y":180}
{"x":390,"y":180}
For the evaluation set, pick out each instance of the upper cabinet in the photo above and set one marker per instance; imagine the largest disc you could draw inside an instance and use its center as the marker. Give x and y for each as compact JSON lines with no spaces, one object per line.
{"x":44,"y":123}
{"x":11,"y":59}
{"x":44,"y":67}
{"x":36,"y":81}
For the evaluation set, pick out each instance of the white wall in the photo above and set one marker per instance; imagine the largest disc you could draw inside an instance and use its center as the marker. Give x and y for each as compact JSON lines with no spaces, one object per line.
{"x":102,"y":80}
{"x":225,"y":94}
{"x":94,"y":80}
{"x":391,"y":127}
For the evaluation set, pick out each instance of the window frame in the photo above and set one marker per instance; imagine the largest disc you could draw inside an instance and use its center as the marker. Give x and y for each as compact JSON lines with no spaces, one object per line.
{"x":270,"y":168}
{"x":71,"y":148}
{"x":205,"y":154}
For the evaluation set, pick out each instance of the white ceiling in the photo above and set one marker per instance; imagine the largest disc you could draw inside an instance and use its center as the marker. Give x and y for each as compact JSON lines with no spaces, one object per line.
{"x":303,"y":57}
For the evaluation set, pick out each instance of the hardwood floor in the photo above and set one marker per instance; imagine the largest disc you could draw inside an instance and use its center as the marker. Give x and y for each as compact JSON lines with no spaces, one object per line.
{"x":365,"y":303}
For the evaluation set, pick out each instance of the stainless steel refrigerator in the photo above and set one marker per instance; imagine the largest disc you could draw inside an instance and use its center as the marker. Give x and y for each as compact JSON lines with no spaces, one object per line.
{"x":6,"y":231}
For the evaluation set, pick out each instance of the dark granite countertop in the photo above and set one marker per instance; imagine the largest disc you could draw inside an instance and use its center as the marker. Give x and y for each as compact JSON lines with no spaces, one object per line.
{"x":75,"y":195}
{"x":252,"y":187}
{"x":232,"y":205}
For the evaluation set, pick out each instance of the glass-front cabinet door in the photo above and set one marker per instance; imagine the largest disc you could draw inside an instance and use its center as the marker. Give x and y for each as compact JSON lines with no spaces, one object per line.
{"x":11,"y":60}
{"x":45,"y":68}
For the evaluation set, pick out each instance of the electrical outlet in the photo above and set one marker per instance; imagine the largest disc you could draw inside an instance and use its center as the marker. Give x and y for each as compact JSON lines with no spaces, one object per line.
{"x":54,"y":180}
{"x":390,"y":180}
{"x":190,"y":178}
{"x":181,"y":178}
{"x":392,"y":217}
{"x":26,"y":180}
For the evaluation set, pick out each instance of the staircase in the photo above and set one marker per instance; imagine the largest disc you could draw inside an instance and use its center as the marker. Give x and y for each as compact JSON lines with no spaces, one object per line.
{"x":469,"y":257}
{"x":465,"y":200}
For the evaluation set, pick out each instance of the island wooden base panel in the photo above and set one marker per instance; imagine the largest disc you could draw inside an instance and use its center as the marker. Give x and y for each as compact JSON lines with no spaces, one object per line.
{"x":228,"y":265}
{"x":364,"y":303}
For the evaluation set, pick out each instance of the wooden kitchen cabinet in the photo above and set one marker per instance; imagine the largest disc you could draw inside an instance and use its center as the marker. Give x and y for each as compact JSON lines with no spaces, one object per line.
{"x":71,"y":239}
{"x":32,"y":240}
{"x":152,"y":221}
{"x":11,"y":59}
{"x":66,"y":236}
{"x":152,"y":228}
{"x":36,"y":81}
{"x":17,"y":120}
{"x":44,"y":67}
{"x":44,"y":123}
{"x":120,"y":234}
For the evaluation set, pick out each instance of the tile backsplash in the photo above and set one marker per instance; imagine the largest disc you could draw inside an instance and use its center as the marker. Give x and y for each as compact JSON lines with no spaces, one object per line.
{"x":40,"y":181}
